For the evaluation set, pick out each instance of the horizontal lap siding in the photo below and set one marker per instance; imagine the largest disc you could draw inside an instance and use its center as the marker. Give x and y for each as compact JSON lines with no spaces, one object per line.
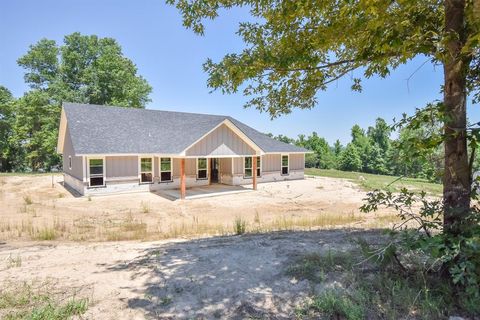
{"x":77,"y":169}
{"x":125,"y":166}
{"x":221,"y":142}
{"x":271,"y":162}
{"x":297,"y":161}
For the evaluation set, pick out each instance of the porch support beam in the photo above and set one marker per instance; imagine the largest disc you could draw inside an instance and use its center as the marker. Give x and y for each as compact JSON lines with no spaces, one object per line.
{"x":254,"y":173}
{"x":183,"y":188}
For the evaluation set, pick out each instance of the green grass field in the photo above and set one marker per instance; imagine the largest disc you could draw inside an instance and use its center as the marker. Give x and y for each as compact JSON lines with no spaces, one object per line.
{"x":377,"y":181}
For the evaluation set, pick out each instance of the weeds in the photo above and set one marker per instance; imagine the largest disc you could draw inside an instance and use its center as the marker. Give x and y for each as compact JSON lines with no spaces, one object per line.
{"x":363,"y":290}
{"x":27,"y":199}
{"x":29,"y":301}
{"x":46,"y":234}
{"x":145,"y":207}
{"x":239,"y":226}
{"x":14,"y":262}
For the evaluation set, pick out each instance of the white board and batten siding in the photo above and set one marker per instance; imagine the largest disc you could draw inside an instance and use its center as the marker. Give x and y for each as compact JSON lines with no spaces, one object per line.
{"x":220,"y":142}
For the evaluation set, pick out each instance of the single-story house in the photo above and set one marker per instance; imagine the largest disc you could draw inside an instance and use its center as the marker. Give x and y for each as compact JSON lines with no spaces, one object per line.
{"x":111,"y":149}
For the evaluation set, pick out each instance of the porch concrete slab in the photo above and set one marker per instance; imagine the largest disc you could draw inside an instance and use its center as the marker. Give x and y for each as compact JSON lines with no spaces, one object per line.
{"x":212,"y":190}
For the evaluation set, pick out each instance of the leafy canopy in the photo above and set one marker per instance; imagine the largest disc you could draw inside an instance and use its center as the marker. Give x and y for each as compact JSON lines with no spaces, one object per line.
{"x":85,"y":69}
{"x":296,"y":48}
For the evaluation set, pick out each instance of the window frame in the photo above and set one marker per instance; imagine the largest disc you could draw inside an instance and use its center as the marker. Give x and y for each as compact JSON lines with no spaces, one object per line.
{"x":140,"y":172}
{"x":96,"y":175}
{"x":206,"y":169}
{"x":259,"y":167}
{"x":161,"y":171}
{"x":287,"y":166}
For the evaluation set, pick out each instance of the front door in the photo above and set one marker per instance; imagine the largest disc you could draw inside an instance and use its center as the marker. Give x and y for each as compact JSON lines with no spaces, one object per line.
{"x":214,"y":171}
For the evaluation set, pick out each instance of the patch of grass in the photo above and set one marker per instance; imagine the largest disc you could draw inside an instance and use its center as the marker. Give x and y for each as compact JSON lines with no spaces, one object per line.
{"x":361,"y":290}
{"x":46,"y":234}
{"x":14,"y":262}
{"x":239,"y":226}
{"x":145,"y":207}
{"x":27,"y":199}
{"x":371,"y":182}
{"x":333,"y":304}
{"x":314,"y":267}
{"x":27,"y":301}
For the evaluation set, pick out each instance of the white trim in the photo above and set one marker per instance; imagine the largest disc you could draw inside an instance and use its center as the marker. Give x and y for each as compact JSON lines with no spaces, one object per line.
{"x":233,"y":167}
{"x":160,"y":169}
{"x":140,"y":157}
{"x":84,"y":170}
{"x":282,"y":166}
{"x":235,"y":129}
{"x":104,"y":171}
{"x":62,"y":131}
{"x":196,"y":172}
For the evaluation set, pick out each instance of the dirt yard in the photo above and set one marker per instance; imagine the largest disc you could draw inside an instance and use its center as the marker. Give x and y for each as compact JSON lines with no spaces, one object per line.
{"x":31,"y":209}
{"x":49,"y":235}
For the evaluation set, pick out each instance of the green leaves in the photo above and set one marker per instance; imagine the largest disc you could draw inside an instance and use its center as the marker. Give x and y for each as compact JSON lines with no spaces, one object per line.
{"x":296,"y":48}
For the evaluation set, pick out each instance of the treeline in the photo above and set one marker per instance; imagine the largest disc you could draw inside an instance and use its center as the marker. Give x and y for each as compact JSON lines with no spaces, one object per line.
{"x":84,"y":69}
{"x":372,"y":150}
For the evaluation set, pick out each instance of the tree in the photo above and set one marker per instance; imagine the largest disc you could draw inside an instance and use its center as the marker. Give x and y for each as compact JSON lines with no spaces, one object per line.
{"x":85,"y":69}
{"x":350,"y":159}
{"x":6,"y":116}
{"x":296,"y":48}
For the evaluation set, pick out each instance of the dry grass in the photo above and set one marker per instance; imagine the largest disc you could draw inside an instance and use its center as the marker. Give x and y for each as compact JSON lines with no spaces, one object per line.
{"x":34,"y":210}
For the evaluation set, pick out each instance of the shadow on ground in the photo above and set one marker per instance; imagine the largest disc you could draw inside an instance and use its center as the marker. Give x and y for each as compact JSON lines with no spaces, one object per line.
{"x":234,"y":277}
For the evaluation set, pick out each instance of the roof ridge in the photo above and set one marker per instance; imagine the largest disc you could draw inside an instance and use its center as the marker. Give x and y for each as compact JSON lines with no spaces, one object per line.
{"x":144,"y":109}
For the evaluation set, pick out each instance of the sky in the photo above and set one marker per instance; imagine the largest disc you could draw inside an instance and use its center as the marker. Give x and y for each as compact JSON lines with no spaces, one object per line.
{"x":170,"y":57}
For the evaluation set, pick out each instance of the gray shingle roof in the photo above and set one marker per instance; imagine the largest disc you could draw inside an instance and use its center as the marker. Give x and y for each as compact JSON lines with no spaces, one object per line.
{"x":96,"y":129}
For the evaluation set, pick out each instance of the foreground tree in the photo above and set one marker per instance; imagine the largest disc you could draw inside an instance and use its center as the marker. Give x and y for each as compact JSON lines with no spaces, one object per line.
{"x":298,"y":47}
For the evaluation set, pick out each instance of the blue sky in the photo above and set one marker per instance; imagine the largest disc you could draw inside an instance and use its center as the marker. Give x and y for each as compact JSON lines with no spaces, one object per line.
{"x":170,"y":57}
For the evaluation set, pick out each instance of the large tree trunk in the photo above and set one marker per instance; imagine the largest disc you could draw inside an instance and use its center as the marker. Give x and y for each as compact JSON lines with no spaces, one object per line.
{"x":456,"y":184}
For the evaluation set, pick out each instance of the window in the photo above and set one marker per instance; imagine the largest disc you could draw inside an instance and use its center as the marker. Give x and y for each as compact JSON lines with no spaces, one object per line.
{"x":165,"y":169}
{"x":202,"y":168}
{"x":247,"y":167}
{"x":95,"y":169}
{"x":146,"y":166}
{"x":284,"y":164}
{"x":70,"y":162}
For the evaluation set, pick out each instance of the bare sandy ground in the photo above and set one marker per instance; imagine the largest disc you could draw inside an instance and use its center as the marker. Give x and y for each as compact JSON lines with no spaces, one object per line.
{"x":234,"y":277}
{"x":215,"y":277}
{"x":30,"y":207}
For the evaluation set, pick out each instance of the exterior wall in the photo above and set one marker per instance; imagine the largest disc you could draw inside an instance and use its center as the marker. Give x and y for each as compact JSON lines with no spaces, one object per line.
{"x":296,"y":161}
{"x":271,"y":162}
{"x":77,"y":163}
{"x":74,"y":183}
{"x":220,"y":142}
{"x":121,"y":167}
{"x":122,"y":174}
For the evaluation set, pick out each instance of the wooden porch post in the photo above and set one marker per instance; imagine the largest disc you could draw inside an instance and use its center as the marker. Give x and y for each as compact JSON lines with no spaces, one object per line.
{"x":254,"y":173}
{"x":183,"y":189}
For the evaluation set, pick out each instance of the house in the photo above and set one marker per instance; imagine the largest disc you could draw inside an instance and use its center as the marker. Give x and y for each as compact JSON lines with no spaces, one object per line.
{"x":112,"y":149}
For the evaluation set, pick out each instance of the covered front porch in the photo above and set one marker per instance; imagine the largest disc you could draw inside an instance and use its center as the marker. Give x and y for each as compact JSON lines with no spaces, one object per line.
{"x":212,"y":190}
{"x":220,"y":173}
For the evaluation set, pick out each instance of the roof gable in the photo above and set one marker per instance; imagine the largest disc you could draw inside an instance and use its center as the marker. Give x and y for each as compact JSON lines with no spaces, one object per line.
{"x":223,"y":140}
